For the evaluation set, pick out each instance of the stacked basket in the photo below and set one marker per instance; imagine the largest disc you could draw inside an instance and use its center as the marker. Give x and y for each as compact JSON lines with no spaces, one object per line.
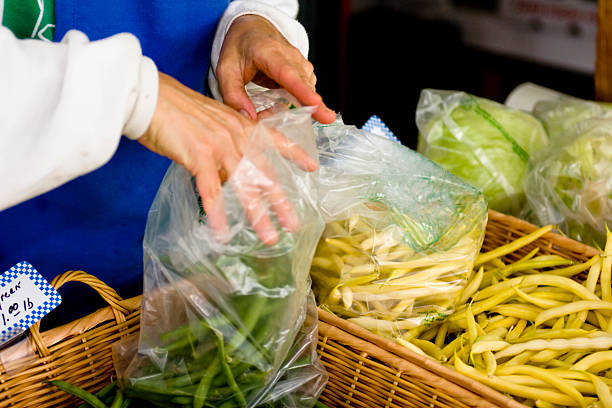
{"x":365,"y":370}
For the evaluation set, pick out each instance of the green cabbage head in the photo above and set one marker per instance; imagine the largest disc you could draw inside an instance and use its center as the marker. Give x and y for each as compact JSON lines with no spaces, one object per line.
{"x":570,"y":183}
{"x":483,"y":142}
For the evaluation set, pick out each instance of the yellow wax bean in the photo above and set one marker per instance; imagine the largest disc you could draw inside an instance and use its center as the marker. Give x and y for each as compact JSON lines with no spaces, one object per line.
{"x":511,"y":247}
{"x":384,"y":325}
{"x":517,"y":330}
{"x":526,"y":312}
{"x":603,"y":391}
{"x":347,"y":296}
{"x":558,"y":296}
{"x":352,"y":222}
{"x":538,"y":280}
{"x":519,"y":359}
{"x":543,"y":303}
{"x":574,"y":269}
{"x":324,"y":263}
{"x":584,"y":387}
{"x":430,"y":349}
{"x":485,"y":305}
{"x":551,"y":334}
{"x":335,"y":228}
{"x":341,"y":245}
{"x":570,"y":308}
{"x":544,"y":261}
{"x":404,"y":306}
{"x":488,"y":345}
{"x":545,"y":356}
{"x":514,"y":389}
{"x":441,"y":335}
{"x":471,"y":287}
{"x":548,"y":377}
{"x":575,"y":344}
{"x":504,"y":322}
{"x":429,"y":334}
{"x":472,"y":326}
{"x":592,"y":360}
{"x":606,"y":268}
{"x":571,"y":358}
{"x":409,"y":345}
{"x":544,"y":404}
{"x":497,"y":263}
{"x":490,"y":362}
{"x":559,"y":324}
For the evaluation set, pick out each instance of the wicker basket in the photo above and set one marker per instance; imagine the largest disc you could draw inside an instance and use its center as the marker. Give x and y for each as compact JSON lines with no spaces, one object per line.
{"x":365,"y":370}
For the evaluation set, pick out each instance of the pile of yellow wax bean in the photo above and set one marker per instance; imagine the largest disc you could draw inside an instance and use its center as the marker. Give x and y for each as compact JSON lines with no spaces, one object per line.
{"x":528,"y":330}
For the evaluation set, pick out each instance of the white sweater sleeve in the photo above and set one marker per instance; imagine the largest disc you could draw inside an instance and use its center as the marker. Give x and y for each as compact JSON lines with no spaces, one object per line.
{"x":281,"y":13}
{"x":64,"y":107}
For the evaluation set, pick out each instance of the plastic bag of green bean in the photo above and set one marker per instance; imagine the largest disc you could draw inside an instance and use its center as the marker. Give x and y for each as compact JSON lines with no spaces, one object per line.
{"x":228,"y":321}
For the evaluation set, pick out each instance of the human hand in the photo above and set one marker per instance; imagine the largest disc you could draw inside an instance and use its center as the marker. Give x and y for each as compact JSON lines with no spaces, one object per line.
{"x":254,"y":50}
{"x":208,"y":139}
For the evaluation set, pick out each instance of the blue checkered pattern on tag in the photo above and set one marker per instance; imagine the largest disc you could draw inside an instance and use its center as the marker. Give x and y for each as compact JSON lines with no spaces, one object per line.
{"x":54,"y":298}
{"x":375,"y":125}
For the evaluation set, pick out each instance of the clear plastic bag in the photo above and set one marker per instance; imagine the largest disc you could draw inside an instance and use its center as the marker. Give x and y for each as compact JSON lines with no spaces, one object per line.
{"x":229,"y":321}
{"x":485,"y":143}
{"x":401,"y":233}
{"x":570,"y":183}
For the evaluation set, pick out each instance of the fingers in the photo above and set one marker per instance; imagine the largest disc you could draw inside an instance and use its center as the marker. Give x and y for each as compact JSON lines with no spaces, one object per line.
{"x":292,"y":151}
{"x":296,"y":75}
{"x":245,"y":184}
{"x":209,"y":187}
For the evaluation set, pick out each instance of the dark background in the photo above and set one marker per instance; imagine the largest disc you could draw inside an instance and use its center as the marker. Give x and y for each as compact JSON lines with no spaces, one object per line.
{"x":376,"y":61}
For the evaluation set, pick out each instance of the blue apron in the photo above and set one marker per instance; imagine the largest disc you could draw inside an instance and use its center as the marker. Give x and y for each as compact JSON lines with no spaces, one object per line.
{"x":96,"y":222}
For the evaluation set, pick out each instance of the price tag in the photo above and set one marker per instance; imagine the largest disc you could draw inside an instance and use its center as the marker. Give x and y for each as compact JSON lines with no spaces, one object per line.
{"x":25,"y":298}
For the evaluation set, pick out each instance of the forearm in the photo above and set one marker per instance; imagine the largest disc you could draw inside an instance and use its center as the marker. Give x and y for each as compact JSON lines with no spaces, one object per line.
{"x":64,"y":107}
{"x":281,"y":13}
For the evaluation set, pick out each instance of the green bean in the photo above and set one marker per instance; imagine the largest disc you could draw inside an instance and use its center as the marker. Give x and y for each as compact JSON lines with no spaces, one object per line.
{"x":79,"y":392}
{"x":204,"y":385}
{"x":319,"y":404}
{"x":231,"y":381}
{"x":118,"y":401}
{"x":103,"y":393}
{"x":126,"y":403}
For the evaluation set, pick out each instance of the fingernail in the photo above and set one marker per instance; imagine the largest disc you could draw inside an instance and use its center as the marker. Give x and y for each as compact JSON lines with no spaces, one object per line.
{"x":245,"y":114}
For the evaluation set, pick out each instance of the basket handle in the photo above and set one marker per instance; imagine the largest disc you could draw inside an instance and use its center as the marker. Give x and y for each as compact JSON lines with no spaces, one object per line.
{"x":106,"y":292}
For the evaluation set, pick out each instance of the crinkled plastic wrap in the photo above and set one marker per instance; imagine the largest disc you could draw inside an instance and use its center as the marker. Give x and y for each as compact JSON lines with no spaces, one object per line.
{"x":483,"y":142}
{"x":228,"y":321}
{"x":570,"y":183}
{"x":401,"y":233}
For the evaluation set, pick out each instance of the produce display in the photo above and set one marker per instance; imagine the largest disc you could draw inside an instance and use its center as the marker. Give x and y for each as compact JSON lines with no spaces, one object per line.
{"x":529,"y":330}
{"x":401,"y":233}
{"x":569,"y":183}
{"x":228,"y":321}
{"x":485,"y":143}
